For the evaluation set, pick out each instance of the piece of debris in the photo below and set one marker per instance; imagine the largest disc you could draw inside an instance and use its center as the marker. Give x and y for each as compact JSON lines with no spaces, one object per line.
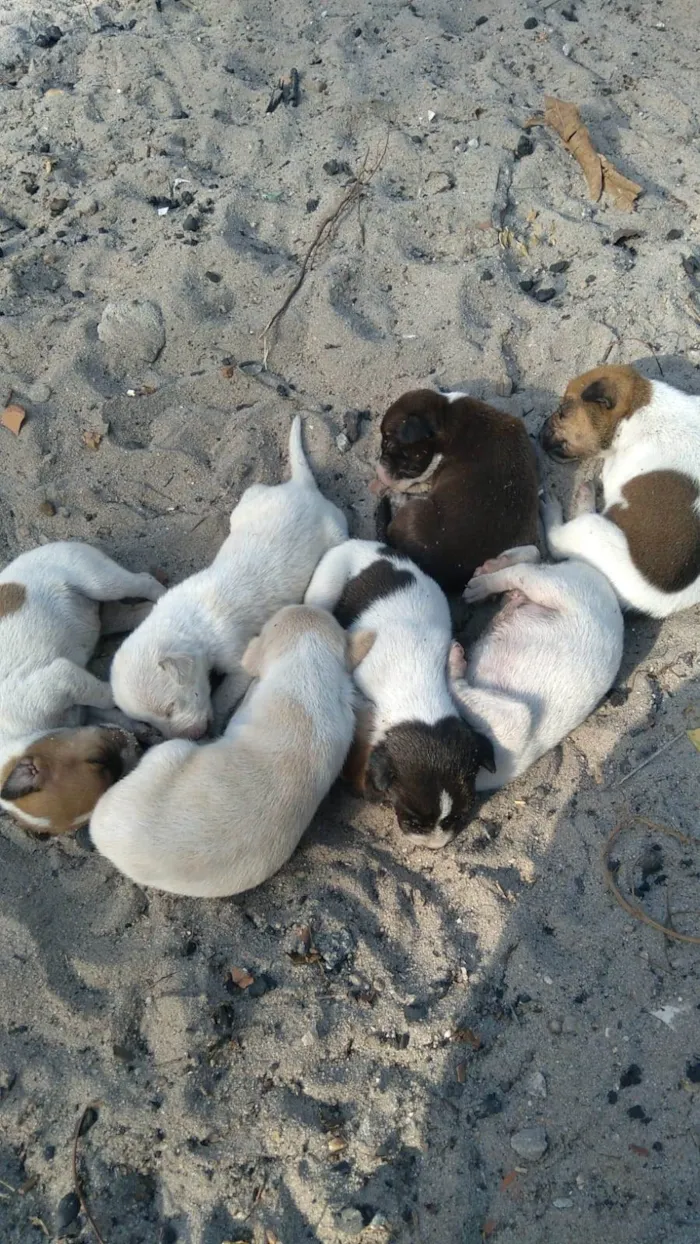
{"x":92,"y":439}
{"x":530,"y":1143}
{"x":12,"y":417}
{"x":285,"y":92}
{"x":335,"y":167}
{"x":241,"y":977}
{"x":669,"y":1014}
{"x":600,"y":174}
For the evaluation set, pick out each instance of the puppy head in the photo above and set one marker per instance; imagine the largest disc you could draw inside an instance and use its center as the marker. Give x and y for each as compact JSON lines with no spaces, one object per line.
{"x":170,"y":692}
{"x":585,"y":422}
{"x":53,"y":785}
{"x":428,"y":774}
{"x":411,"y":437}
{"x":289,"y":625}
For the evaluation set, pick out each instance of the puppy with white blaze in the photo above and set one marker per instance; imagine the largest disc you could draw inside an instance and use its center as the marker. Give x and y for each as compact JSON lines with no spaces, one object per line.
{"x":545,"y":661}
{"x":216,"y":819}
{"x":415,"y":750}
{"x":278,"y":534}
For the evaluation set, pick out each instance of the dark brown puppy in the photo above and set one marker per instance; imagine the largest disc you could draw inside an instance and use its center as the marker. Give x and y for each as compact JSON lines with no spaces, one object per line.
{"x":475,"y":469}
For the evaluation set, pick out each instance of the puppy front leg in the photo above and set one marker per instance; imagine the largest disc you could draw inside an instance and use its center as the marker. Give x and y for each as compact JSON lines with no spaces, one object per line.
{"x":329,"y":579}
{"x":44,"y":696}
{"x":99,"y":578}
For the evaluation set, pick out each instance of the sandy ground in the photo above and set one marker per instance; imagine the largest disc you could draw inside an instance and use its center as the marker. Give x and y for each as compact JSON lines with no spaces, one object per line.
{"x":346,"y":1095}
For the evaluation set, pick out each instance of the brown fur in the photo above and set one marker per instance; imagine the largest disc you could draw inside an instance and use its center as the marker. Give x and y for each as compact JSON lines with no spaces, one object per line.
{"x":481,"y":498}
{"x":592,"y":406}
{"x":293,"y":621}
{"x":662,"y":528}
{"x":60,"y":778}
{"x":12,"y":597}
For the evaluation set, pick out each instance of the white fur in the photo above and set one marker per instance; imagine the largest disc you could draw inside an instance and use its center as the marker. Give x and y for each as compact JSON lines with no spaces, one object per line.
{"x":404,"y":675}
{"x":278,"y":534}
{"x":220,"y":818}
{"x":664,"y":435}
{"x":46,"y":644}
{"x":542,"y":665}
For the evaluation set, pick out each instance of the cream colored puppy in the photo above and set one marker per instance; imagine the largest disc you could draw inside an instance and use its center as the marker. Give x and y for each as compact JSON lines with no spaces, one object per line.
{"x":215,"y":819}
{"x":278,"y":535}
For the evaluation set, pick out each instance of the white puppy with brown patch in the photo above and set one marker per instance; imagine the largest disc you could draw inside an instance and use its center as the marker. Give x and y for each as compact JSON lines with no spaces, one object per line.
{"x":543,"y":664}
{"x":51,"y":772}
{"x":216,"y":819}
{"x":418,"y":753}
{"x":278,"y":535}
{"x":647,"y":540}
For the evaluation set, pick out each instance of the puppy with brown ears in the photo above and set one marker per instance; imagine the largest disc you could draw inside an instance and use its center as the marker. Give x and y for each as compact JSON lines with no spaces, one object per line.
{"x":470,"y":472}
{"x":216,"y":819}
{"x":413,"y":748}
{"x":647,"y":538}
{"x":52,"y":771}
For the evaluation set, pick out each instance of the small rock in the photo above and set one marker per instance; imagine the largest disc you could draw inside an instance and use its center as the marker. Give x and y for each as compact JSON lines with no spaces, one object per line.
{"x":214,"y":277}
{"x":537,"y":1085}
{"x":39,"y":392}
{"x":49,"y":1152}
{"x":379,"y":1222}
{"x":191,"y":223}
{"x":7,"y":1081}
{"x":530,"y":23}
{"x":673,"y":235}
{"x":135,"y":328}
{"x":342,"y":442}
{"x":414,"y":1012}
{"x":562,"y":1202}
{"x":487,"y":275}
{"x":335,"y":167}
{"x":561,"y":265}
{"x":350,"y":1221}
{"x":88,"y":1120}
{"x":567,"y":49}
{"x":480,"y":21}
{"x":569,"y":15}
{"x":638,"y":1112}
{"x":335,"y":948}
{"x":473,"y":143}
{"x":312,"y":204}
{"x":555,"y":1026}
{"x":612,"y":1097}
{"x":527,"y":285}
{"x":530,"y":1143}
{"x":261,"y":985}
{"x":525,"y":147}
{"x":692,"y":1071}
{"x":68,"y":1210}
{"x":568,"y":1026}
{"x":351,"y":423}
{"x":545,"y":295}
{"x":633,"y":1075}
{"x":49,"y":37}
{"x":58,"y":204}
{"x":490,"y":1105}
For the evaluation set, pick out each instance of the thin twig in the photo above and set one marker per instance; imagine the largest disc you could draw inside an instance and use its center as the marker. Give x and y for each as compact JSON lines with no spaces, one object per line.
{"x":632,"y":909}
{"x":649,"y":759}
{"x":326,"y":232}
{"x":76,"y":1179}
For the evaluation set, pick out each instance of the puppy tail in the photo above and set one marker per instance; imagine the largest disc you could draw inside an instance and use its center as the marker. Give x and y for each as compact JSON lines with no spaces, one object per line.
{"x":301,"y":471}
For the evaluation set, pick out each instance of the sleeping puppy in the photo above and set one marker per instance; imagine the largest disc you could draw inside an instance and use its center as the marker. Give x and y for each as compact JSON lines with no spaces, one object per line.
{"x":51,"y":771}
{"x":418,"y":753}
{"x":543,"y":664}
{"x":647,"y":539}
{"x":278,"y":535}
{"x":220,"y":818}
{"x":476,"y":472}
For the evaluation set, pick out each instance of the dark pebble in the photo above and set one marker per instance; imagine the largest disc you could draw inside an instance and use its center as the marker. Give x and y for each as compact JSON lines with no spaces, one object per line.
{"x":530,"y":23}
{"x":49,"y":37}
{"x":545,"y":295}
{"x":335,"y":167}
{"x":612,"y":1097}
{"x":123,"y":1053}
{"x":415,"y":1012}
{"x":88,"y":1120}
{"x":690,"y":265}
{"x":525,"y":147}
{"x":191,"y":223}
{"x":190,"y":948}
{"x":486,"y":275}
{"x":481,"y":21}
{"x":658,"y":1146}
{"x":47,"y":508}
{"x":637,"y":1112}
{"x":673,"y":235}
{"x":633,"y":1075}
{"x":58,"y":205}
{"x":569,"y":15}
{"x":491,"y":1104}
{"x":68,"y":1210}
{"x":417,"y":139}
{"x":352,"y":423}
{"x":49,"y":1152}
{"x":214,"y":277}
{"x":312,"y":204}
{"x":560,"y":266}
{"x":187,"y":198}
{"x":692,"y":1070}
{"x":357,"y":31}
{"x":261,"y":985}
{"x":527,"y":285}
{"x":168,"y":1234}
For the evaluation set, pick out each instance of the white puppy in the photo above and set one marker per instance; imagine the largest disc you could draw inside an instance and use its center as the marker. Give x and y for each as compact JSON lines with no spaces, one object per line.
{"x":215,"y":819}
{"x":278,"y":534}
{"x":647,"y":540}
{"x":418,"y":754}
{"x":545,"y":661}
{"x":50,"y":772}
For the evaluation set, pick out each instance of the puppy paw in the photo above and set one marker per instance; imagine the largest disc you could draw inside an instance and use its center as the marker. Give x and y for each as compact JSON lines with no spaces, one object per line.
{"x":477,"y":589}
{"x":456,"y":661}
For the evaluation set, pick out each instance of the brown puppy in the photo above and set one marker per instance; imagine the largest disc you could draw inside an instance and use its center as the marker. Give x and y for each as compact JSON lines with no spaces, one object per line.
{"x":477,"y":472}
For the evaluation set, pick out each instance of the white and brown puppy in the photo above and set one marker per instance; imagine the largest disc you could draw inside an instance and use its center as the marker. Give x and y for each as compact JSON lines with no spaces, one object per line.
{"x":277,"y":537}
{"x":418,"y":754}
{"x":51,"y":771}
{"x":647,"y":539}
{"x":543,"y":664}
{"x":216,"y":819}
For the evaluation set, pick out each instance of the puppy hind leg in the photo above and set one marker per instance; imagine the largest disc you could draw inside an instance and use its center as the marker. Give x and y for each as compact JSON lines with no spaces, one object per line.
{"x":96,"y":576}
{"x":49,"y":693}
{"x":532,"y":583}
{"x":116,"y":618}
{"x":528,"y":553}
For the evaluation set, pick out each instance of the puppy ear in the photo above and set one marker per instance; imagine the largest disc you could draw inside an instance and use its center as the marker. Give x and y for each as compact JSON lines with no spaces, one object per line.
{"x":380,"y":771}
{"x":601,"y":393}
{"x":485,"y":753}
{"x":25,"y":779}
{"x":251,"y":658}
{"x":358,"y":646}
{"x":180,"y":666}
{"x":415,"y":428}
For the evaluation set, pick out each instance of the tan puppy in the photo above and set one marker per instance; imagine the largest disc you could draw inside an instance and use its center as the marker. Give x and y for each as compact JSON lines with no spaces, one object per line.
{"x":216,"y":819}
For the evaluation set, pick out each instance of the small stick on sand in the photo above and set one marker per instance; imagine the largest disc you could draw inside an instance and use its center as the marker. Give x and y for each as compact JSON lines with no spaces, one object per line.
{"x":76,"y":1177}
{"x":632,"y":909}
{"x":325,"y":233}
{"x":649,"y":759}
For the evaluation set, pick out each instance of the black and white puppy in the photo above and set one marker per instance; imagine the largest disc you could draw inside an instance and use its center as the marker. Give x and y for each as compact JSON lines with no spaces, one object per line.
{"x":415,"y":750}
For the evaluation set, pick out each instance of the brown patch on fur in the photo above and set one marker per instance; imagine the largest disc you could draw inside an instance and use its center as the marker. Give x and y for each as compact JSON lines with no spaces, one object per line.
{"x":12,"y":597}
{"x":355,"y":767}
{"x":662,"y":528}
{"x":284,"y":629}
{"x":592,"y":406}
{"x":482,"y":496}
{"x":58,"y":780}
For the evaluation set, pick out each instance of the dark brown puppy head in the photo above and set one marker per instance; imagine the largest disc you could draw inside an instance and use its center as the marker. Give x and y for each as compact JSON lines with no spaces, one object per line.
{"x":53,"y":785}
{"x":411,"y":434}
{"x":428,"y":772}
{"x":584,"y":424}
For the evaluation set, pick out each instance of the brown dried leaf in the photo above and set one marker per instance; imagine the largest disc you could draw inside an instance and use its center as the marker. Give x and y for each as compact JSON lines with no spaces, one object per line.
{"x":12,"y":417}
{"x":508,"y":1179}
{"x":566,"y":120}
{"x":467,"y":1037}
{"x":489,"y":1228}
{"x":336,"y":1144}
{"x":92,"y":439}
{"x":640,"y":1150}
{"x":227,"y":371}
{"x":241,"y":977}
{"x":461,"y":1073}
{"x":623,"y":192}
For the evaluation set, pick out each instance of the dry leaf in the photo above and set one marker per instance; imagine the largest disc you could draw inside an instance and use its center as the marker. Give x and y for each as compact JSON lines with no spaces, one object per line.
{"x":489,"y":1228}
{"x":227,"y":371}
{"x":461,"y":1073}
{"x":241,"y":977}
{"x":694,"y":736}
{"x":508,"y":1179}
{"x":600,"y":174}
{"x":91,"y":439}
{"x":623,"y":192}
{"x":467,"y":1037}
{"x":640,"y":1150}
{"x":12,"y":417}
